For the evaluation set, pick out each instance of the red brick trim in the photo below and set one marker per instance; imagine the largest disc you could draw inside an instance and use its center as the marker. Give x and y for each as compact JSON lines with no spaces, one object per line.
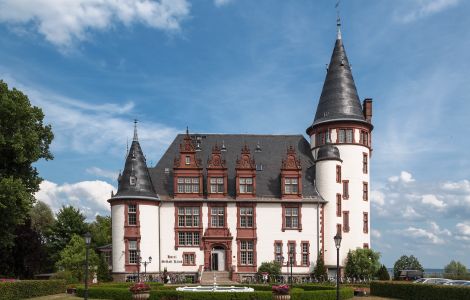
{"x":345,"y":189}
{"x":294,"y":205}
{"x":210,"y":205}
{"x":338,"y":229}
{"x":246,"y":232}
{"x":278,"y":242}
{"x":365,"y":163}
{"x":246,"y":268}
{"x":187,"y":229}
{"x":365,"y":246}
{"x":302,"y":253}
{"x":189,"y":253}
{"x":330,"y":126}
{"x":338,"y":205}
{"x":338,"y":173}
{"x":365,"y":222}
{"x":365,"y":191}
{"x":346,"y":227}
{"x":128,"y":266}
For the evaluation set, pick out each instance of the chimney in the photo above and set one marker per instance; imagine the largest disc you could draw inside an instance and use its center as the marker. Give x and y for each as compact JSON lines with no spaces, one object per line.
{"x":367,"y":109}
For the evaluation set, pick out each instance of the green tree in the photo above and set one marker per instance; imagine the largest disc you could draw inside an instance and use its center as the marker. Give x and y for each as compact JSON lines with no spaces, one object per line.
{"x":42,"y":218}
{"x":382,"y":273}
{"x":406,"y":263}
{"x":455,"y":268}
{"x":70,"y":221}
{"x":362,"y":263}
{"x":319,"y":272}
{"x":271,"y":267}
{"x":72,"y":258}
{"x":100,"y":230}
{"x":24,"y":139}
{"x":104,"y":275}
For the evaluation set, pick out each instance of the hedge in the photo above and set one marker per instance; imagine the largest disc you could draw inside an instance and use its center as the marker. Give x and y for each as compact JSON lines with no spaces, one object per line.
{"x":417,"y":291}
{"x":31,"y":288}
{"x":344,"y":293}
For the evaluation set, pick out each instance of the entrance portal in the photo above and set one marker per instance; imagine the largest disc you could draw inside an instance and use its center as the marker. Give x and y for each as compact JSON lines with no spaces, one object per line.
{"x":218,"y":259}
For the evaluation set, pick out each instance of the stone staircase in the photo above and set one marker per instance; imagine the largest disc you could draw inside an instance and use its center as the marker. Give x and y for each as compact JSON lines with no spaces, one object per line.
{"x":222,"y":278}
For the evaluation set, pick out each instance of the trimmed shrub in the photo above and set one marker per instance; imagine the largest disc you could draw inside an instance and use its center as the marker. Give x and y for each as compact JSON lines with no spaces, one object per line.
{"x":175,"y":295}
{"x":105,"y":293}
{"x":315,"y":287}
{"x":31,"y":288}
{"x":416,"y":291}
{"x":344,"y":293}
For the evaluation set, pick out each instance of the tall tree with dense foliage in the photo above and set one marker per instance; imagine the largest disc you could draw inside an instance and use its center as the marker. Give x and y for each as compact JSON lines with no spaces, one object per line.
{"x":406,"y":263}
{"x":455,"y":268}
{"x":72,"y":258}
{"x":362,"y":263}
{"x":100,"y":230}
{"x":382,"y":273}
{"x":42,"y":218}
{"x":319,"y":271}
{"x":70,"y":221}
{"x":24,"y":140}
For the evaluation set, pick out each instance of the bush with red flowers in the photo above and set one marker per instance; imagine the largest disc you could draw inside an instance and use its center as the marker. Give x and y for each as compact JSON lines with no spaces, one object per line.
{"x":281,"y":289}
{"x":139,"y":287}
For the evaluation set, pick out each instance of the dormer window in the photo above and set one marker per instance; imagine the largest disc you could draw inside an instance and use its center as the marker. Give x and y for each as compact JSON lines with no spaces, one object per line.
{"x":217,"y":185}
{"x":188,"y":185}
{"x":345,"y":136}
{"x":291,"y":185}
{"x":246,"y":185}
{"x":187,"y":160}
{"x":132,"y":180}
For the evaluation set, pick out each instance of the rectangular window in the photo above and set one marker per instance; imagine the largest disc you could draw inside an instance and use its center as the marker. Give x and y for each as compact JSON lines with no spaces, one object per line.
{"x":338,"y":205}
{"x":365,"y":246}
{"x":278,"y":252}
{"x":345,"y":189}
{"x":291,"y":185}
{"x":246,"y":217}
{"x":218,"y":217}
{"x":365,"y":191}
{"x":365,"y":225}
{"x":188,"y":185}
{"x":338,"y":229}
{"x":291,"y":253}
{"x":247,"y":253}
{"x":291,"y":217}
{"x":365,"y":164}
{"x":188,"y":238}
{"x":188,"y":216}
{"x":346,"y":221}
{"x":364,"y":140}
{"x":246,"y":185}
{"x":305,"y":254}
{"x":189,"y":259}
{"x":132,"y":214}
{"x":187,"y":160}
{"x":345,"y":136}
{"x":320,"y":138}
{"x":338,"y":174}
{"x":217,"y":185}
{"x":132,"y":246}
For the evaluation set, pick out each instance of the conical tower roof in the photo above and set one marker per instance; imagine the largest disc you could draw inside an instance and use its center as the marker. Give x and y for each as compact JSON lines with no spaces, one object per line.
{"x":135,"y":181}
{"x":339,"y":99}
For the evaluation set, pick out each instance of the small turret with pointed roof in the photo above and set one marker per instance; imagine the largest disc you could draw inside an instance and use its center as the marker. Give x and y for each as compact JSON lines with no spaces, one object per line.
{"x":339,"y":100}
{"x":135,"y":181}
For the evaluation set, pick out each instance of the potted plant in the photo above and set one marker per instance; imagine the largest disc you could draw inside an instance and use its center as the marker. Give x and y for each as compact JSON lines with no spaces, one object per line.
{"x":281,"y":292}
{"x":140,"y":291}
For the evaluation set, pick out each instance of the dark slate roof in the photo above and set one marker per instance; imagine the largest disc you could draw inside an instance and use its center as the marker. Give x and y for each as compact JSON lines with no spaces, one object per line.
{"x":135,"y":166}
{"x":339,"y":99}
{"x":268,"y":182}
{"x":328,"y":152}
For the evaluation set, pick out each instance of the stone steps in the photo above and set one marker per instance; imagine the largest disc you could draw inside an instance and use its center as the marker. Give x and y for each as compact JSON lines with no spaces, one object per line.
{"x":222,"y":277}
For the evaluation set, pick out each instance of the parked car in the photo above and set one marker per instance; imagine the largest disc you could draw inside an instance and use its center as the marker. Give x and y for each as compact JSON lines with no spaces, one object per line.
{"x":432,"y":280}
{"x":410,"y":274}
{"x":458,"y":282}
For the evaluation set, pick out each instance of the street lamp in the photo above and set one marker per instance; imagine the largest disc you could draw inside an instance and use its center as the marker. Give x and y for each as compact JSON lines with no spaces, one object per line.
{"x":87,"y":242}
{"x":291,"y":261}
{"x":337,"y":244}
{"x":138,"y":265}
{"x":145,"y":266}
{"x":287,"y":267}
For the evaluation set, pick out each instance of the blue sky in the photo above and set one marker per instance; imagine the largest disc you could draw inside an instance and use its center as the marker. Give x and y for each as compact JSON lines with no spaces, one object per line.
{"x":253,"y":67}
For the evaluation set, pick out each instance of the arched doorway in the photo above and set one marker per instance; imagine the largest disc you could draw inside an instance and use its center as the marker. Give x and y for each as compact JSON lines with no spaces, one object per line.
{"x":218,"y":258}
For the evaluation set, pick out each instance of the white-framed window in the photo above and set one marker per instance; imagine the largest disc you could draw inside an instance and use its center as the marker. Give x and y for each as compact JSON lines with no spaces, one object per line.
{"x":132,"y":246}
{"x":189,"y":259}
{"x":217,"y":185}
{"x":246,"y":185}
{"x":246,"y":217}
{"x":217,"y":216}
{"x":132,"y":214}
{"x":291,"y":185}
{"x":291,"y":217}
{"x":305,"y":254}
{"x":278,"y":252}
{"x":247,"y":253}
{"x":188,"y":238}
{"x":188,"y":216}
{"x":187,"y":160}
{"x":188,"y":185}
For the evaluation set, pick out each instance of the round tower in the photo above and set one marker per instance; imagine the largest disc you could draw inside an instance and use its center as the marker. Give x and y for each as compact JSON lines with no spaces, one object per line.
{"x":341,"y":145}
{"x":135,"y":217}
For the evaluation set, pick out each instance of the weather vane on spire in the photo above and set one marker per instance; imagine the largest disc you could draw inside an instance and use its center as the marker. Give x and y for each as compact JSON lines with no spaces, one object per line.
{"x":135,"y":130}
{"x":338,"y":20}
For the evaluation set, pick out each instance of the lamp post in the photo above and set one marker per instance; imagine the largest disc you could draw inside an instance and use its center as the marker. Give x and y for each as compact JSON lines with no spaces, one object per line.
{"x":145,"y":266}
{"x":337,"y":239}
{"x":291,"y":261}
{"x":287,"y":267}
{"x":87,"y":242}
{"x":138,"y":265}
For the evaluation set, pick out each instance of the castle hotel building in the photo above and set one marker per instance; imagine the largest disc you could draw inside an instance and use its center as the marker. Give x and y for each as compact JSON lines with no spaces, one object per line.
{"x":228,"y":202}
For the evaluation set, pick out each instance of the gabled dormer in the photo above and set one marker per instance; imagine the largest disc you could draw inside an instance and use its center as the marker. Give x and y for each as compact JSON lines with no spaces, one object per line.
{"x":291,"y":175}
{"x":187,"y":171}
{"x":245,"y":175}
{"x":216,"y":174}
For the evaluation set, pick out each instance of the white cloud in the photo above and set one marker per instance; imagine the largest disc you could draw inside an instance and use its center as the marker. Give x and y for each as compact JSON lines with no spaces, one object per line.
{"x":432,"y":200}
{"x":423,"y":234}
{"x":64,"y":22}
{"x":460,"y":186}
{"x":404,"y":177}
{"x":376,"y":234}
{"x":89,"y":196}
{"x":377,"y":197}
{"x":220,"y":3}
{"x":410,"y":213}
{"x":103,"y":173}
{"x":424,"y":8}
{"x":464,"y":228}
